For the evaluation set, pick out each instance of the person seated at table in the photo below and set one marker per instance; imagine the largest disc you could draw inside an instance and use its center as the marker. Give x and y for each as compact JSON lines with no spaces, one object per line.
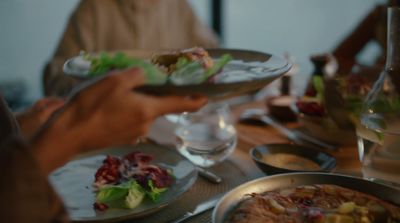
{"x":102,"y":114}
{"x":112,"y":25}
{"x":371,"y":28}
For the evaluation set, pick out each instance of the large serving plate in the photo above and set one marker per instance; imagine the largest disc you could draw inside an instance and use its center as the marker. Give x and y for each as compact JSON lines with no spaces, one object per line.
{"x":248,"y":72}
{"x":74,"y":181}
{"x":227,"y":204}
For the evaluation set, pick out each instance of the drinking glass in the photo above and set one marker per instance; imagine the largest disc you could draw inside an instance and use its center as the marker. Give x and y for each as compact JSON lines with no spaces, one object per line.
{"x":208,"y":136}
{"x":379,"y":153}
{"x":379,"y":130}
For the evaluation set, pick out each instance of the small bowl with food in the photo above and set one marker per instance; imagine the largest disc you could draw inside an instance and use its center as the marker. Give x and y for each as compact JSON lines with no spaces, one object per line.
{"x":286,"y":158}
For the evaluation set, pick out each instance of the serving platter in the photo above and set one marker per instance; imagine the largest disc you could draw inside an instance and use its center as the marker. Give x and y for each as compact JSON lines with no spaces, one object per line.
{"x":248,"y":72}
{"x":227,"y":204}
{"x":73,"y":182}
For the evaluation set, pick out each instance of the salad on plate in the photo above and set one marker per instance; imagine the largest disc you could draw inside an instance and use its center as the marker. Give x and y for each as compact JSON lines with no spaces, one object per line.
{"x":124,"y":182}
{"x":184,"y":67}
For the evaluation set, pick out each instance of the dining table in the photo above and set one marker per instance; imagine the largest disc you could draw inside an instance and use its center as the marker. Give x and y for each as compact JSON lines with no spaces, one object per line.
{"x":238,"y":168}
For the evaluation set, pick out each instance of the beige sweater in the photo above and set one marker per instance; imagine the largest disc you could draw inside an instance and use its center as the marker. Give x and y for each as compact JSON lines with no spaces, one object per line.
{"x":111,"y":25}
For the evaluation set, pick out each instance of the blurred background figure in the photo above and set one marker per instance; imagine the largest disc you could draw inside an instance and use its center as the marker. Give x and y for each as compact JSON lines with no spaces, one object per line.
{"x":371,"y":28}
{"x":32,"y":32}
{"x":112,"y":25}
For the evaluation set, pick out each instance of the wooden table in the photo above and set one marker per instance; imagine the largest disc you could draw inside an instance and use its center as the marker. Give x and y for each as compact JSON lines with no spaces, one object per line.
{"x":248,"y":136}
{"x":253,"y":135}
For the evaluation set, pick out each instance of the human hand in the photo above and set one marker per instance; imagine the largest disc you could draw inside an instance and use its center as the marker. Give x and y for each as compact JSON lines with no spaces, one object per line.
{"x":105,"y":113}
{"x":125,"y":113}
{"x":35,"y":116}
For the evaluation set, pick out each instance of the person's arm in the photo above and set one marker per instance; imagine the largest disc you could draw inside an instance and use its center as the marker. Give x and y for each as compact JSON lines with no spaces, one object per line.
{"x":8,"y":125}
{"x":78,"y":36}
{"x":348,"y":49}
{"x":26,"y":195}
{"x":105,"y":113}
{"x":31,"y":119}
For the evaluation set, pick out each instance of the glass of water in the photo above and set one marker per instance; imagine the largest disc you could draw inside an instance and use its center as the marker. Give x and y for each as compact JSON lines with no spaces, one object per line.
{"x":379,"y":130}
{"x":208,"y":136}
{"x":379,"y":151}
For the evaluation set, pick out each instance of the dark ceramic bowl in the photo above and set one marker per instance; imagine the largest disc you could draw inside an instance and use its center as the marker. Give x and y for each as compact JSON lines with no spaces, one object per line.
{"x":325,"y":161}
{"x":279,"y":107}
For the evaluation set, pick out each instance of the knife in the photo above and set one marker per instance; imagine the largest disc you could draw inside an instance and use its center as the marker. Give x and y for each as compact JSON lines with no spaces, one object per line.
{"x":295,"y":136}
{"x":200,"y":208}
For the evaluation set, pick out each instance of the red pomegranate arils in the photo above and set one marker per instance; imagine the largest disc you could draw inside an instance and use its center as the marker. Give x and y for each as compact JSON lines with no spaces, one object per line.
{"x":100,"y":206}
{"x":135,"y":166}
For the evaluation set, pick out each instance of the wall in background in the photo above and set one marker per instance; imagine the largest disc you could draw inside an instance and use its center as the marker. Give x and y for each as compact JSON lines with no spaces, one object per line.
{"x":29,"y":33}
{"x":299,"y":27}
{"x":30,"y":30}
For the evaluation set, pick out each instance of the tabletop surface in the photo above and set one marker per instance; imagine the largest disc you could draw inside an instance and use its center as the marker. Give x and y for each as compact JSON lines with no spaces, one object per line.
{"x":239,"y":168}
{"x":253,"y":135}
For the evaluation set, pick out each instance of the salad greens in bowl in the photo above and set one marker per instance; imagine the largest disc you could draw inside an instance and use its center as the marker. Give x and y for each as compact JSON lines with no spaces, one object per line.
{"x":216,"y":73}
{"x":191,"y":67}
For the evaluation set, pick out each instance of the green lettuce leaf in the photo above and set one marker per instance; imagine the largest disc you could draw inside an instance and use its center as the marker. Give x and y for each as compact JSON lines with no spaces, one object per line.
{"x":105,"y":63}
{"x":187,"y":73}
{"x":134,"y":197}
{"x":194,"y":73}
{"x":126,"y":195}
{"x":182,"y":62}
{"x":218,"y":65}
{"x":154,"y":193}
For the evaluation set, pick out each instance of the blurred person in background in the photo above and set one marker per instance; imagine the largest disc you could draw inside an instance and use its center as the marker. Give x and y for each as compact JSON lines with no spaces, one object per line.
{"x":112,"y":25}
{"x":373,"y":27}
{"x":104,"y":113}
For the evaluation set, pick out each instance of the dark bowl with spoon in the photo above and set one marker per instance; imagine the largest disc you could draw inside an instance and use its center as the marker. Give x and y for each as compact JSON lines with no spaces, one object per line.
{"x":287,"y":158}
